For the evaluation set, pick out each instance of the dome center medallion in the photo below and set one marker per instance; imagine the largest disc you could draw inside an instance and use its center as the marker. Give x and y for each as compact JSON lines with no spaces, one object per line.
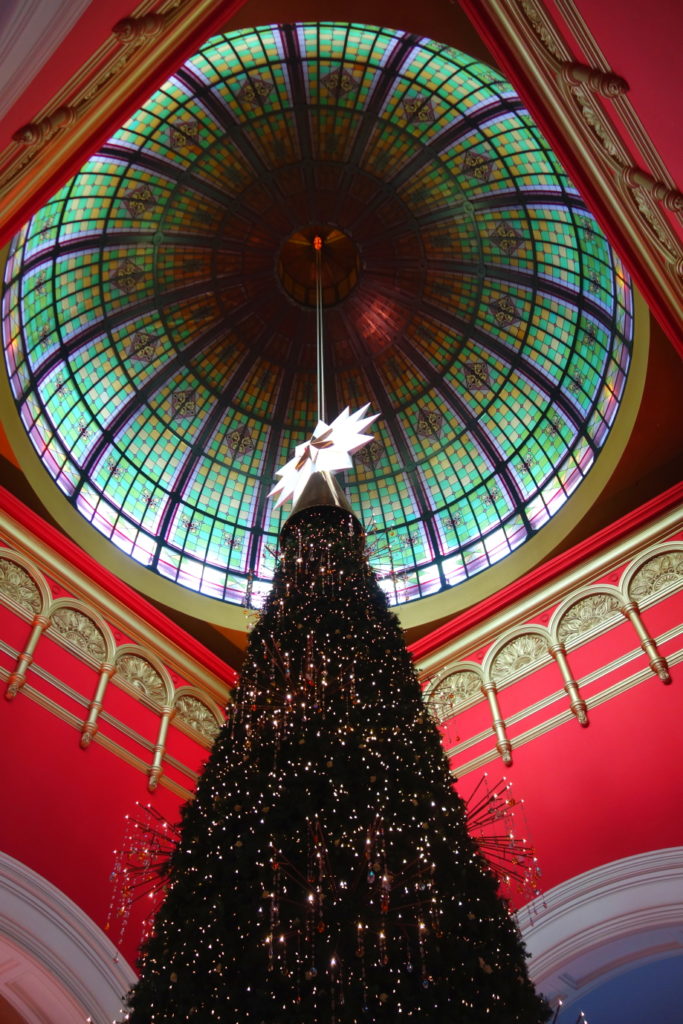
{"x":339,"y":260}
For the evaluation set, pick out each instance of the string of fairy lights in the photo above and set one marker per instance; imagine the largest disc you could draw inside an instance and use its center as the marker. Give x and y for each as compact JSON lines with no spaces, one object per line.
{"x":148,"y":840}
{"x":324,"y":870}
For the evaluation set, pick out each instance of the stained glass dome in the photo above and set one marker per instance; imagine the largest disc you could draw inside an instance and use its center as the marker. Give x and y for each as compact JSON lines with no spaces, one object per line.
{"x":160,"y":339}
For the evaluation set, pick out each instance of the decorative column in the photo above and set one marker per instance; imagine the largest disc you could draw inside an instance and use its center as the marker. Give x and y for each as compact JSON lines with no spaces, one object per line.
{"x":657,"y":662}
{"x":160,"y":748}
{"x":606,"y":83}
{"x":571,"y":688}
{"x":503,"y":745}
{"x":90,"y":725}
{"x":18,"y":677}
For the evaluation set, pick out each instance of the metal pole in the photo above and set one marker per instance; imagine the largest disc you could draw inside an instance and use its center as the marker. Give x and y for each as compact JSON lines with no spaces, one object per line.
{"x":319,"y":339}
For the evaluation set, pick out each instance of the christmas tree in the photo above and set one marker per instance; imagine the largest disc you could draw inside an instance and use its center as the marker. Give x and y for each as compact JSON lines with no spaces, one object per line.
{"x":324,"y":871}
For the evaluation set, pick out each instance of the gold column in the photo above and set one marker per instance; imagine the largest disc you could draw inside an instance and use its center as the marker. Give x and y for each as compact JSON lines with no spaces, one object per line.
{"x":18,"y":677}
{"x":657,"y":661}
{"x":160,"y":748}
{"x":90,"y":725}
{"x":503,"y":745}
{"x":571,"y":688}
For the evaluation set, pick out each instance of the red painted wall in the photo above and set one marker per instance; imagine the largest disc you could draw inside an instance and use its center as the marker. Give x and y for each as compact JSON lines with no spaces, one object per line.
{"x":63,"y":808}
{"x":611,"y":790}
{"x":589,"y":795}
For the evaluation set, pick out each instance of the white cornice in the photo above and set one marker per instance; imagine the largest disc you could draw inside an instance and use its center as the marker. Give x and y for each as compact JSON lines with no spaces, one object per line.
{"x":604,"y":922}
{"x":60,"y":963}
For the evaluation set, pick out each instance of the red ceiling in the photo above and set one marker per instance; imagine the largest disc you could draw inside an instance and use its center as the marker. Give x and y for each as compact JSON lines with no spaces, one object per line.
{"x":94,"y":26}
{"x":642,"y":46}
{"x":643,"y":43}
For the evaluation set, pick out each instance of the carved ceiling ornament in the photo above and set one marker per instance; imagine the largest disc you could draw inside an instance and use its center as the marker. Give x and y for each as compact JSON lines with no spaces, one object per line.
{"x":451,"y":691}
{"x":606,"y":83}
{"x":142,"y":675}
{"x":586,"y":614}
{"x":19,"y":585}
{"x":657,"y":229}
{"x":601,"y":129}
{"x":660,"y":571}
{"x":579,"y":83}
{"x":516,"y":654}
{"x":130,"y":33}
{"x":134,"y":30}
{"x":78,"y":630}
{"x":50,"y":124}
{"x":197,"y":715}
{"x":644,"y":191}
{"x":542,"y":29}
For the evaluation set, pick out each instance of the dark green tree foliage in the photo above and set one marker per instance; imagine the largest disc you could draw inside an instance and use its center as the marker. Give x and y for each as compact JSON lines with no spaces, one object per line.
{"x":325,"y":872}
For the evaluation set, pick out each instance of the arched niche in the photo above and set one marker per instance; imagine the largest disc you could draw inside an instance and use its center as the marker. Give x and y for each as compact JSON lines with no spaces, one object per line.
{"x":22,"y":585}
{"x":586,"y":613}
{"x":455,"y":688}
{"x":78,"y":627}
{"x":515,"y":653}
{"x":144,"y":674}
{"x":197,"y":713}
{"x":655,"y":573}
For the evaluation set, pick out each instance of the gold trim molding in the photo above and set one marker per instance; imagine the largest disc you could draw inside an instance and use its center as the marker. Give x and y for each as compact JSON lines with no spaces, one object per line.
{"x":38,"y":557}
{"x":561,"y":718}
{"x":578,"y":608}
{"x":120,"y":68}
{"x":625,"y":558}
{"x":590,"y":106}
{"x":623,"y":661}
{"x":105,"y":741}
{"x":85,"y":632}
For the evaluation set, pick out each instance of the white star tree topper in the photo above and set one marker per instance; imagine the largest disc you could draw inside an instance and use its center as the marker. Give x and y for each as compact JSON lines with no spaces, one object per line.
{"x":328,"y":450}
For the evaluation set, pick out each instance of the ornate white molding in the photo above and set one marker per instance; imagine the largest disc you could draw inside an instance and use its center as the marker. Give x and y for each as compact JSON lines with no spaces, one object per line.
{"x":605,"y":922}
{"x":55,"y":963}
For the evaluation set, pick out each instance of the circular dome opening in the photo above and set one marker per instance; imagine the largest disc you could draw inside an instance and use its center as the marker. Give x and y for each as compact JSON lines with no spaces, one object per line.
{"x":158,"y":328}
{"x":339,"y":265}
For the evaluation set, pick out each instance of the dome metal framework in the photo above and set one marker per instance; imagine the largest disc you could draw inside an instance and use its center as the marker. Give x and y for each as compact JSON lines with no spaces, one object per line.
{"x":160,"y":341}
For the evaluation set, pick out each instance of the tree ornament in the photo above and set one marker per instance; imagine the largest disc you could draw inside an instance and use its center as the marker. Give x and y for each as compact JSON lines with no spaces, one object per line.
{"x":328,"y":450}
